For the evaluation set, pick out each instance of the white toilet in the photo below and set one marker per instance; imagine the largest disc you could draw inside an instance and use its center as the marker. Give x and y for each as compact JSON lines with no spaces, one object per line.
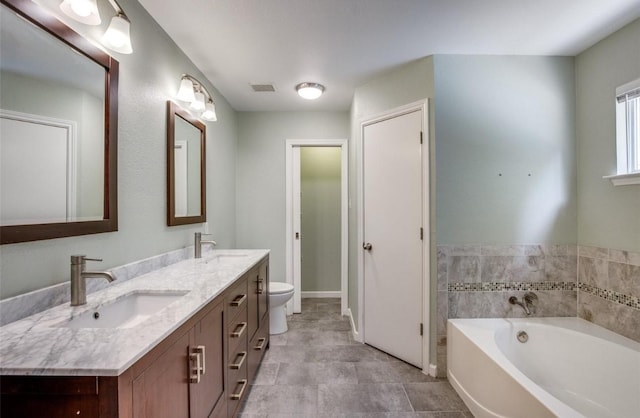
{"x":279,"y":294}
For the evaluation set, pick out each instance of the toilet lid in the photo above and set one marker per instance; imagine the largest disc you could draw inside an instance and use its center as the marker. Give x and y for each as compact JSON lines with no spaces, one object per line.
{"x":279,"y":287}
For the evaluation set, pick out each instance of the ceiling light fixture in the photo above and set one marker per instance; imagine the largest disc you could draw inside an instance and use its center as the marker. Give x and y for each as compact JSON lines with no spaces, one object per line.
{"x":117,"y":36}
{"x":310,"y":91}
{"x":193,"y":92}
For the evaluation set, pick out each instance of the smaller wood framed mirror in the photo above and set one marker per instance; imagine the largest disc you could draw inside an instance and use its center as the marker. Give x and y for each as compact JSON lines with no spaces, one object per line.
{"x":186,"y":188}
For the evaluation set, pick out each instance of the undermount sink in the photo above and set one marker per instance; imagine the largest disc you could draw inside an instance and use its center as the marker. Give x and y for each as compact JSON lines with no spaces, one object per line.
{"x":126,"y":311}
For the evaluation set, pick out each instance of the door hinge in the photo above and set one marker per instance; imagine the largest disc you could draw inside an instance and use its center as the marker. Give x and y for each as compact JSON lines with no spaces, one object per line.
{"x":421,"y":328}
{"x":421,"y":233}
{"x":421,"y":137}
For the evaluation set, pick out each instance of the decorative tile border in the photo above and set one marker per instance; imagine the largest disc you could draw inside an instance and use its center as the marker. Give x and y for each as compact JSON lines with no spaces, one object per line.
{"x":610,"y":295}
{"x":510,"y":286}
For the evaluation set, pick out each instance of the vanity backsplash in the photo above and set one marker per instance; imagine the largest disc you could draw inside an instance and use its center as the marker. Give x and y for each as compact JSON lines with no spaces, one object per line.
{"x":22,"y":306}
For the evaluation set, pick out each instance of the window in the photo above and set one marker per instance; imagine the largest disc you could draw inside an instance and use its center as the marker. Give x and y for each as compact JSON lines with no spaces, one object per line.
{"x":628,"y":129}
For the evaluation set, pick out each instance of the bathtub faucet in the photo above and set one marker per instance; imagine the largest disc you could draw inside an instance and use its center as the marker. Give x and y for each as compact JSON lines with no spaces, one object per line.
{"x":530,"y":299}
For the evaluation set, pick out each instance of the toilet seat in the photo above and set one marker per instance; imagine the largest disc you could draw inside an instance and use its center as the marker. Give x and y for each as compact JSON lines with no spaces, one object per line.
{"x":278,"y":288}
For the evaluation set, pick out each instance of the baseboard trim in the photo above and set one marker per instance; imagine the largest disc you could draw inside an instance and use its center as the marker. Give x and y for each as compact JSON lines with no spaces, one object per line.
{"x":433,"y":370}
{"x":354,"y":331}
{"x":321,"y":294}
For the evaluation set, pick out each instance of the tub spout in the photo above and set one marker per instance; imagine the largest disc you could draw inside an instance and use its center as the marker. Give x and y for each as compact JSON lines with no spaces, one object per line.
{"x":530,"y":299}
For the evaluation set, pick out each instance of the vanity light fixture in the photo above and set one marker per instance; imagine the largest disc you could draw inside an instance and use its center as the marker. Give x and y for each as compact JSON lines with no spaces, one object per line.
{"x":310,"y":91}
{"x":117,"y":36}
{"x":200,"y":100}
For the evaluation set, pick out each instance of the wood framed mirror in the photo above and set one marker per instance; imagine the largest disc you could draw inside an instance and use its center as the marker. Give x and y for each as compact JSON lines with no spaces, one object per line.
{"x":61,"y":182}
{"x":186,"y":188}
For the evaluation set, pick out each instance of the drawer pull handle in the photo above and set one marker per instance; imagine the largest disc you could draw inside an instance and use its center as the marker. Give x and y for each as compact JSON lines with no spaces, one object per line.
{"x":194,"y":375}
{"x":236,"y":396}
{"x":260,"y":288}
{"x":237,"y":365}
{"x":260,"y":344}
{"x":239,"y":300}
{"x":200,"y":350}
{"x":238,"y":332}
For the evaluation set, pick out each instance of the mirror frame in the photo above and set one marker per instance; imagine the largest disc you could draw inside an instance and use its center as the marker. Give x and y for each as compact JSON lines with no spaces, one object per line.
{"x":39,"y":16}
{"x":174,"y":110}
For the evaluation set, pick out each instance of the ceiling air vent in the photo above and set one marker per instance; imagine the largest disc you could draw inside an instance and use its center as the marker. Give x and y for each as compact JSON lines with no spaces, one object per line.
{"x":261,"y":88}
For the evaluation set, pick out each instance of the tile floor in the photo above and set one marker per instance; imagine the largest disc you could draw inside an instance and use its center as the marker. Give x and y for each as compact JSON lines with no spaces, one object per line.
{"x":317,"y":370}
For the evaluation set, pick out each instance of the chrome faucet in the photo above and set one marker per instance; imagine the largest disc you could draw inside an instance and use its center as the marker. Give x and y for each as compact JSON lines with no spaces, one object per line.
{"x":530,"y":299}
{"x":79,"y":276}
{"x":198,"y":244}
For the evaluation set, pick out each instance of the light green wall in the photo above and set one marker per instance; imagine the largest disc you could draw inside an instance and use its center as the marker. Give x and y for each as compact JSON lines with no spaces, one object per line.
{"x":404,"y":85}
{"x":260,"y":174}
{"x":320,"y":185}
{"x":148,"y":78}
{"x":505,"y":150}
{"x":608,"y":216}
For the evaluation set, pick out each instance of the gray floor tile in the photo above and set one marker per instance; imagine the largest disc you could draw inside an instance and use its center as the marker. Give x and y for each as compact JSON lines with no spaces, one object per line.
{"x":434,"y":396}
{"x":267,"y":374}
{"x":316,"y":370}
{"x":281,"y":399}
{"x":316,"y":373}
{"x":317,"y":338}
{"x":315,"y":316}
{"x":371,"y":397}
{"x":390,"y":372}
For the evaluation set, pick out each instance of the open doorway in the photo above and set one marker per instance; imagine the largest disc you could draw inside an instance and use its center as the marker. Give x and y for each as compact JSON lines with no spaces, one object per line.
{"x":316,"y":233}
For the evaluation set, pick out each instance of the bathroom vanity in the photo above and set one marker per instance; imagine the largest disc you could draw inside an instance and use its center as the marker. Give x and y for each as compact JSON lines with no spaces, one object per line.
{"x":196,"y":335}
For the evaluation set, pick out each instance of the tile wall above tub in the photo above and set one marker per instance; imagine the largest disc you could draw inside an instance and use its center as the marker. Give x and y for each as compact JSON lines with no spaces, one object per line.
{"x":476,"y":281}
{"x":609,"y":289}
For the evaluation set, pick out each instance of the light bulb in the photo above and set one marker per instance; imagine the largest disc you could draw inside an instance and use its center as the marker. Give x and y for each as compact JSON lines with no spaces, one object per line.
{"x":209,"y":112}
{"x":185,"y":92}
{"x":117,"y":36}
{"x":84,"y":11}
{"x":198,"y":103}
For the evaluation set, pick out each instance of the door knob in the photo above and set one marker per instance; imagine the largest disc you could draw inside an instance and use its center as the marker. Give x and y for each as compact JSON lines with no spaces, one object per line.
{"x":367,"y":246}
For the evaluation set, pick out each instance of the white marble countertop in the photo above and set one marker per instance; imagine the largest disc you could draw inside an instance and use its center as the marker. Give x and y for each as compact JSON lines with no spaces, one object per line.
{"x":38,"y":345}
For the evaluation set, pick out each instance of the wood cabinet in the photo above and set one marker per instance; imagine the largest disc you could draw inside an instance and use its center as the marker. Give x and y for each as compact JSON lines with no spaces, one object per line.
{"x":201,"y":370}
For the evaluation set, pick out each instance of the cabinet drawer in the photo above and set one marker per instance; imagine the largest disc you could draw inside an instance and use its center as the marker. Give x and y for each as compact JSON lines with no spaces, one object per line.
{"x":238,"y":388}
{"x":237,"y":335}
{"x":257,"y":347}
{"x":236,"y":300}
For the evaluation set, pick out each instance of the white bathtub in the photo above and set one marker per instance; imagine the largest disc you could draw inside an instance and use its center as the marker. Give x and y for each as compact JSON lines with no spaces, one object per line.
{"x":568,"y":368}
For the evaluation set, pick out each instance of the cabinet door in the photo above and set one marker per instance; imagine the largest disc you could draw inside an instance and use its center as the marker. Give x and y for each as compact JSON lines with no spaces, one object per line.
{"x":252,"y":307}
{"x":209,"y":341}
{"x":162,"y":390}
{"x":263,"y":292}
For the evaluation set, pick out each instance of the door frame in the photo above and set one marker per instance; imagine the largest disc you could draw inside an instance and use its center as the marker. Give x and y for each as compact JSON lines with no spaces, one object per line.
{"x":291,"y":277}
{"x":423,"y":106}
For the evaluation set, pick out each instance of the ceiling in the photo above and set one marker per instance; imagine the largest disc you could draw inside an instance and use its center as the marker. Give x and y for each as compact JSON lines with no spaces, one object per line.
{"x":345,"y":43}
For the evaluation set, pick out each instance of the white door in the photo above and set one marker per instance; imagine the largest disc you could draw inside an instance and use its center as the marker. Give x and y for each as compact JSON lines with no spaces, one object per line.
{"x":392,"y":216}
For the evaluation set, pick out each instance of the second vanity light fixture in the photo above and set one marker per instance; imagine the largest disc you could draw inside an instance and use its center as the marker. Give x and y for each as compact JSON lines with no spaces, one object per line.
{"x":116,"y":37}
{"x":193,"y":92}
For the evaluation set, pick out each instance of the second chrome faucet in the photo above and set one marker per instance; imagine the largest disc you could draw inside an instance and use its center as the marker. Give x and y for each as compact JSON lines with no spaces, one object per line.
{"x":198,"y":244}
